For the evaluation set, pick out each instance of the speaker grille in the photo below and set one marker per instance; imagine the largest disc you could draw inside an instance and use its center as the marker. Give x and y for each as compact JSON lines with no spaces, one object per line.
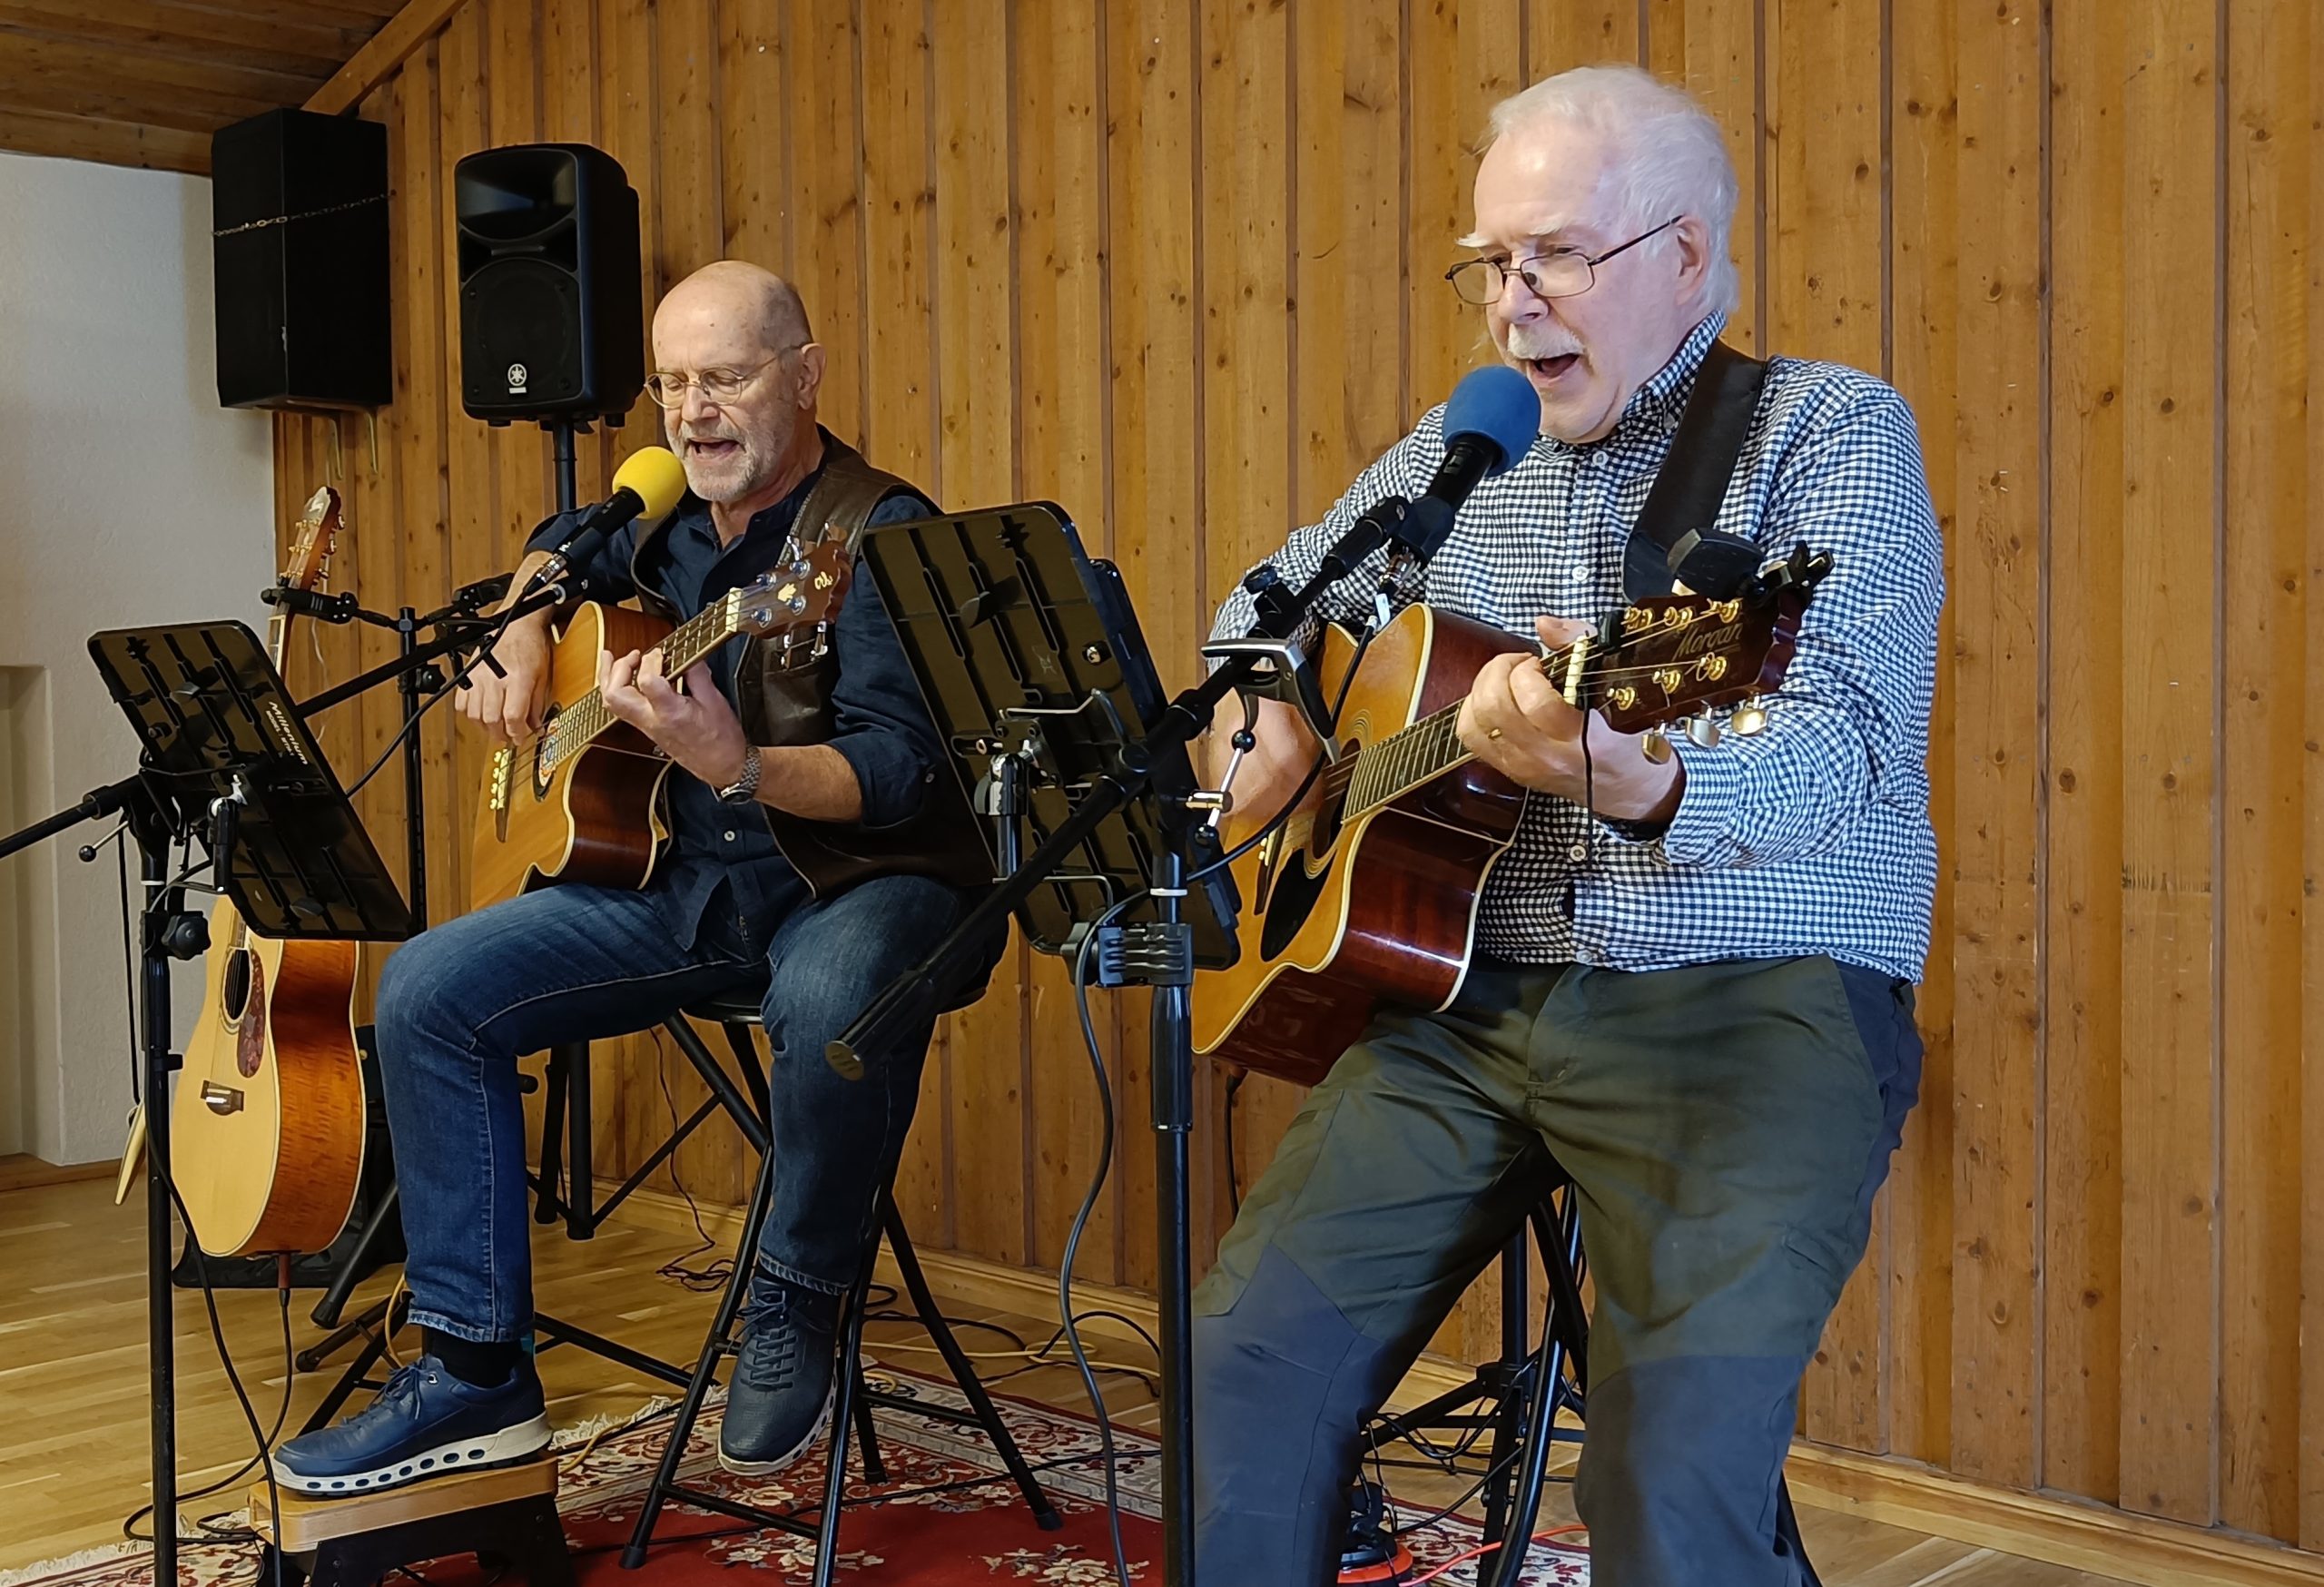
{"x":524,"y":321}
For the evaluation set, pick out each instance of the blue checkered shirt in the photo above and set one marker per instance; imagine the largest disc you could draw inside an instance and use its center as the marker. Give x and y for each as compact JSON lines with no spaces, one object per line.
{"x":1812,"y":836}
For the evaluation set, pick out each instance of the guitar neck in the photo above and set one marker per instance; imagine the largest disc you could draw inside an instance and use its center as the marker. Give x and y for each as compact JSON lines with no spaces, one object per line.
{"x":1417,"y":755}
{"x":687,"y":645}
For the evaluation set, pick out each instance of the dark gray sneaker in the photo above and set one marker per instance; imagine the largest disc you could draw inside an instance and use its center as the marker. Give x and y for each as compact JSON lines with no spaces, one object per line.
{"x":785,"y":1377}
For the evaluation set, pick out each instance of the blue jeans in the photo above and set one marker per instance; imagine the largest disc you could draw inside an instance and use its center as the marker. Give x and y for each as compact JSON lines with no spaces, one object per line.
{"x":458,"y":1004}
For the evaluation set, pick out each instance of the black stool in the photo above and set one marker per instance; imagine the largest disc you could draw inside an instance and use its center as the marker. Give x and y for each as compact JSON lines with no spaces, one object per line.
{"x":855,"y":1398}
{"x":1527,"y":1385}
{"x":1529,"y":1388}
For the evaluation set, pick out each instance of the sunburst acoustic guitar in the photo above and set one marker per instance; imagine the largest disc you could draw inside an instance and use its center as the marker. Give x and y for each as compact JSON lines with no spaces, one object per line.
{"x":1368,"y":896}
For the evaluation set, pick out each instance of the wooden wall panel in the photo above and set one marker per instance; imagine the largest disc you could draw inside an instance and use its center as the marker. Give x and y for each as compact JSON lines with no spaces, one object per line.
{"x":2272,"y":104}
{"x":901,"y":430}
{"x":977,"y":348}
{"x":2083,"y":1094}
{"x":1061,"y":421}
{"x":1925,"y":250}
{"x":1824,"y":128}
{"x":2308,"y":1482}
{"x":1997,"y":570}
{"x":1174,"y":263}
{"x":1153,"y":172}
{"x":2168,"y":747}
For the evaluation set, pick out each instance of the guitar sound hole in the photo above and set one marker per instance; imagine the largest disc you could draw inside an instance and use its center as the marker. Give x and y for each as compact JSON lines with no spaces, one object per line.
{"x":235,"y":996}
{"x":1299,"y":881}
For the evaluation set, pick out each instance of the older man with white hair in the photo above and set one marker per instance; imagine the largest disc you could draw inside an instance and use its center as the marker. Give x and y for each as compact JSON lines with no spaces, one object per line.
{"x":1692,"y":992}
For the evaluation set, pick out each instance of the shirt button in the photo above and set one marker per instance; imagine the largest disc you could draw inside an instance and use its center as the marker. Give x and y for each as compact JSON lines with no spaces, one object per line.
{"x":1581,"y":570}
{"x":729,"y":837}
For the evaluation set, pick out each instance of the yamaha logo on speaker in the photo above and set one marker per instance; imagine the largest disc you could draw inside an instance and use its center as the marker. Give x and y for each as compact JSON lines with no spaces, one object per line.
{"x":519,"y":377}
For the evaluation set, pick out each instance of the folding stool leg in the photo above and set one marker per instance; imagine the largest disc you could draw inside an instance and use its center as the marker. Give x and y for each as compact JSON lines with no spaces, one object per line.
{"x":549,"y":1204}
{"x":867,"y":1438}
{"x":849,"y":1400}
{"x":1510,"y":1375}
{"x":705,"y":1371}
{"x":1559,"y":1241}
{"x":963,"y":1371}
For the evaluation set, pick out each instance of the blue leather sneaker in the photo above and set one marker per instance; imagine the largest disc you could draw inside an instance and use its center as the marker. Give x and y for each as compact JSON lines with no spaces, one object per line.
{"x":425,"y":1424}
{"x":784,"y":1376}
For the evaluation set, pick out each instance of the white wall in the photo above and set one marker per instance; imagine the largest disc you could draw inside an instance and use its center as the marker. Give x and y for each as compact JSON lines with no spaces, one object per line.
{"x":127,"y":494}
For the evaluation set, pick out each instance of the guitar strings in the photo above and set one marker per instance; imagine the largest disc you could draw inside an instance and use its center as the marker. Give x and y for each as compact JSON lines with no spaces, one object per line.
{"x":1338,"y":780}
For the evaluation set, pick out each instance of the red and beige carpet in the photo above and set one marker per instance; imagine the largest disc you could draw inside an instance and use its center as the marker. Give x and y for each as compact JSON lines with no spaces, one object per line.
{"x":948,"y":1516}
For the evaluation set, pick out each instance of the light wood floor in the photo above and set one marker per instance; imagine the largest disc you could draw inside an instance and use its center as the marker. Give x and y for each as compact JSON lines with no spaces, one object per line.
{"x":72,"y":1440}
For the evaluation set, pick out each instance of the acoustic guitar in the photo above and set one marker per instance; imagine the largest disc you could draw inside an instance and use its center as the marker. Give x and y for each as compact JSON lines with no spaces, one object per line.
{"x":1368,"y":895}
{"x":267,"y":1126}
{"x":576,"y":801}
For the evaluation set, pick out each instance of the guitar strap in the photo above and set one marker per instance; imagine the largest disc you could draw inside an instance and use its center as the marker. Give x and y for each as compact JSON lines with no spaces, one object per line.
{"x":1673,"y":538}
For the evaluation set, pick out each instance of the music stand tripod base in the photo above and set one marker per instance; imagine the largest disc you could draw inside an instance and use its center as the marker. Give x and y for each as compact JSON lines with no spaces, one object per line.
{"x":508,"y":1514}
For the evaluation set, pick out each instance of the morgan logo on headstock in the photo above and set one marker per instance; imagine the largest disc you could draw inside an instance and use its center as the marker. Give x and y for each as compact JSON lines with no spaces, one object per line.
{"x":1704,"y":637}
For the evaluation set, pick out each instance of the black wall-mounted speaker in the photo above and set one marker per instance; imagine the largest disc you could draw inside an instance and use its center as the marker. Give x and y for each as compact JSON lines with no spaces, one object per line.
{"x":552,"y":309}
{"x":298,"y":222}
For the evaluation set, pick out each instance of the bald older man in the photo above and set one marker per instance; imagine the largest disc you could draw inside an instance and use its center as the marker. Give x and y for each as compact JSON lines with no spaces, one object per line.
{"x":828,"y":744}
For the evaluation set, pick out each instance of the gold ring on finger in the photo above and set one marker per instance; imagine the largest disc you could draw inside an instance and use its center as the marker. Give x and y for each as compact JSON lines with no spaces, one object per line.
{"x":1492,"y":733}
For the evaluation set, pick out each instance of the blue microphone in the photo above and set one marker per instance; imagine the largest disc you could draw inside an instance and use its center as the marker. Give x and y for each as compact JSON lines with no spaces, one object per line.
{"x":1490,"y":422}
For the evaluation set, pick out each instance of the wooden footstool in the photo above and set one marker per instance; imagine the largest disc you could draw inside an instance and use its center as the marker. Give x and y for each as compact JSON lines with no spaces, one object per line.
{"x":505,"y":1516}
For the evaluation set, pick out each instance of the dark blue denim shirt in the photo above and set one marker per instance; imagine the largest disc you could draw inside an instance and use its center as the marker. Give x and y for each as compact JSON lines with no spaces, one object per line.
{"x":721,"y":856}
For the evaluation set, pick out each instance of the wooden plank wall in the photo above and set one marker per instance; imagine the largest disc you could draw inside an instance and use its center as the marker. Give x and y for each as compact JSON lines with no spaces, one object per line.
{"x":1173,"y":263}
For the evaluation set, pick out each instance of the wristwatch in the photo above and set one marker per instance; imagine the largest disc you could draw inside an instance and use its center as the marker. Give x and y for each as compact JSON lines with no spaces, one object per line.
{"x":743,"y":789}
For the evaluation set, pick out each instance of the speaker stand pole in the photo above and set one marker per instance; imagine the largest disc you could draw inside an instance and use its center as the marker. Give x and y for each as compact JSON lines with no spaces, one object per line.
{"x":568,"y":1064}
{"x":560,"y":432}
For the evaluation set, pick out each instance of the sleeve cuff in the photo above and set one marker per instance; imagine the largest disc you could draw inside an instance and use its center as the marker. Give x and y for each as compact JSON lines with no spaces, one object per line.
{"x":891,"y":779}
{"x":1695,"y":835}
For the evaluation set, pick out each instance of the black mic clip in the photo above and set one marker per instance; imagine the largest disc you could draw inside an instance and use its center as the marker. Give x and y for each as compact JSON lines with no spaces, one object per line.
{"x":225,"y":822}
{"x":306,"y":602}
{"x":472,"y":598}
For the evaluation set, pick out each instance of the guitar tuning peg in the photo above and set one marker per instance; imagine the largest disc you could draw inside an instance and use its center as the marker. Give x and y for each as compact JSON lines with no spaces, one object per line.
{"x":1702,"y":731}
{"x":1748,"y":718}
{"x":1654,"y":745}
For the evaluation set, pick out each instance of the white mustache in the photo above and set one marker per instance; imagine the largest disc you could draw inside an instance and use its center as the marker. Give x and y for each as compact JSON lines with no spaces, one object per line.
{"x":1524,"y":342}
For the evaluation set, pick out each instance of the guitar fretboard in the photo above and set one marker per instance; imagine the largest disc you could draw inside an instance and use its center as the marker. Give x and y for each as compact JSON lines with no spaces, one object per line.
{"x":1414,"y":754}
{"x":581,"y":722}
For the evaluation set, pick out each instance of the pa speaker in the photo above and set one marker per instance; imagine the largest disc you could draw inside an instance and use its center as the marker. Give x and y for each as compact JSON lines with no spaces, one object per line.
{"x":299,"y":222}
{"x":552,"y":317}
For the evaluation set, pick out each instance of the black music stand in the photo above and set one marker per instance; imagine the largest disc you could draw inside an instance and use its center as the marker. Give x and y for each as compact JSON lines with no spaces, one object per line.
{"x":1030,"y":657}
{"x":228,"y":759}
{"x":220,"y":729}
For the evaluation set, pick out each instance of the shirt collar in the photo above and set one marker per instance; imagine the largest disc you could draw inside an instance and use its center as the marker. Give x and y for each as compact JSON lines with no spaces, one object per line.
{"x":1655,"y":406}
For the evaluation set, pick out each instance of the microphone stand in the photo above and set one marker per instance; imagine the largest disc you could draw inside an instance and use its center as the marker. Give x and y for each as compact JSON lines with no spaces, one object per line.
{"x":167,"y":932}
{"x":1159,"y":953}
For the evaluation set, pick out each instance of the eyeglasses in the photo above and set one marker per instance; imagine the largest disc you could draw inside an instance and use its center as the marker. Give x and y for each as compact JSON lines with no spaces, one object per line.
{"x":1567,"y":272}
{"x":719,"y":387}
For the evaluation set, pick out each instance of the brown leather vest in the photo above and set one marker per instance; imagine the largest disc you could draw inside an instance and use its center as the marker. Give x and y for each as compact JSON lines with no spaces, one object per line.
{"x":785,"y":698}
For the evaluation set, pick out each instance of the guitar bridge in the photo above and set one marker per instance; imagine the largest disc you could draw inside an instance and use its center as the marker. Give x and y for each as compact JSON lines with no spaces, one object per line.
{"x":221,"y":1099}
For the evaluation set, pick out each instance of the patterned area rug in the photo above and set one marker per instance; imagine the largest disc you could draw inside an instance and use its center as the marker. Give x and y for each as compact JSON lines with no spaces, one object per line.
{"x":948,"y":1515}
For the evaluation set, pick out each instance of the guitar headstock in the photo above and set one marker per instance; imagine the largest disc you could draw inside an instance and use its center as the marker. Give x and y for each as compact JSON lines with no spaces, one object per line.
{"x":798,"y":594}
{"x":312,"y":542}
{"x":1684,"y":656}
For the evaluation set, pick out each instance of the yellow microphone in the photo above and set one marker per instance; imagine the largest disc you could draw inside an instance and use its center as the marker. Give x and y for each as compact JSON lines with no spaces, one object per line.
{"x":654,"y":477}
{"x":647,"y":486}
